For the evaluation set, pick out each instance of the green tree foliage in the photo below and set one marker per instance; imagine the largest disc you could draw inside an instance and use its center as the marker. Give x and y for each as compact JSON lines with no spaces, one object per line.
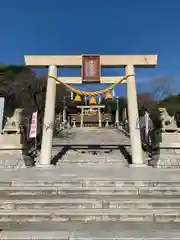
{"x":171,"y":103}
{"x":111,"y":105}
{"x":23,"y":89}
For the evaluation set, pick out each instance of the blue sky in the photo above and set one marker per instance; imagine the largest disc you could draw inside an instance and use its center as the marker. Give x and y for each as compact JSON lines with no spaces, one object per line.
{"x":94,"y":27}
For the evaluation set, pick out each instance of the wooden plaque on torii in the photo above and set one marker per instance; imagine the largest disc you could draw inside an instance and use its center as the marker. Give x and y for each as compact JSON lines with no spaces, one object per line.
{"x":91,"y":69}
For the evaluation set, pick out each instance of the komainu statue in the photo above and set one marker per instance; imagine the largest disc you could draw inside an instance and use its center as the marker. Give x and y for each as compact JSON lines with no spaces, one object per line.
{"x":13,"y":123}
{"x":168,"y":123}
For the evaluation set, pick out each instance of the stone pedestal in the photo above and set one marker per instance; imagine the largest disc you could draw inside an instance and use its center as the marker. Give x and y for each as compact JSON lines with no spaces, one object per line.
{"x":11,"y":142}
{"x":167,"y":154}
{"x":11,"y":151}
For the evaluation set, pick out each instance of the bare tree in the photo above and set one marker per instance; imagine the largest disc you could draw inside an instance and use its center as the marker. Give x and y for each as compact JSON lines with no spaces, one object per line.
{"x":163,"y":86}
{"x":145,"y":100}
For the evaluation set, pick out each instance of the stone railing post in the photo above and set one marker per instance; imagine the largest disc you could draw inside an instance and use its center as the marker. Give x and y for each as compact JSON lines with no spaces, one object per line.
{"x":107,"y":122}
{"x":74,"y":123}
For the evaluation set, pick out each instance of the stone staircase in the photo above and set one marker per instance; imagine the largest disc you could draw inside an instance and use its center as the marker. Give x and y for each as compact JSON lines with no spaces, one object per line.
{"x":91,"y":194}
{"x":114,"y":147}
{"x":90,"y":203}
{"x":93,"y":157}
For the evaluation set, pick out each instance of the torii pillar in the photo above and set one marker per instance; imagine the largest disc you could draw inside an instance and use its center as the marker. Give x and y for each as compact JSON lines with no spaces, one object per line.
{"x":129,"y":62}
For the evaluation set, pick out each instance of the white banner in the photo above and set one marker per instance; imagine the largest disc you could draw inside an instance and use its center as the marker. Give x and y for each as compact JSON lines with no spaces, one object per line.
{"x":33,"y":126}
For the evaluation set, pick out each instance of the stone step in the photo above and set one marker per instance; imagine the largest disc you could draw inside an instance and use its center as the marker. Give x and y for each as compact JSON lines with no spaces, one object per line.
{"x":35,"y":235}
{"x":101,"y":229}
{"x":100,"y":197}
{"x":91,"y":141}
{"x":94,"y":160}
{"x":86,"y":158}
{"x":91,"y":235}
{"x":67,"y":203}
{"x":64,"y":192}
{"x":71,"y":181}
{"x":93,"y":163}
{"x":87,"y":192}
{"x":136,"y":175}
{"x":91,"y":136}
{"x":91,"y":158}
{"x":93,"y":153}
{"x":89,"y":215}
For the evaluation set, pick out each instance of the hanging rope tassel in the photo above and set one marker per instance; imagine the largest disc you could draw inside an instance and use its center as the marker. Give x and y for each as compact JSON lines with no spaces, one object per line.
{"x":77,"y":98}
{"x":108,"y":96}
{"x":92,"y":101}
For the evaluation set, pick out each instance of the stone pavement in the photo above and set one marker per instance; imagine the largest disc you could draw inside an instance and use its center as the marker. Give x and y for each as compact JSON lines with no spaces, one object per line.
{"x":92,"y":136}
{"x":88,"y":172}
{"x":126,"y":231}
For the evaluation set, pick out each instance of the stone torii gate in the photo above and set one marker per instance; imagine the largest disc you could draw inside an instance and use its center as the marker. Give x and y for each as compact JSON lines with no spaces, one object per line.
{"x":129,"y":62}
